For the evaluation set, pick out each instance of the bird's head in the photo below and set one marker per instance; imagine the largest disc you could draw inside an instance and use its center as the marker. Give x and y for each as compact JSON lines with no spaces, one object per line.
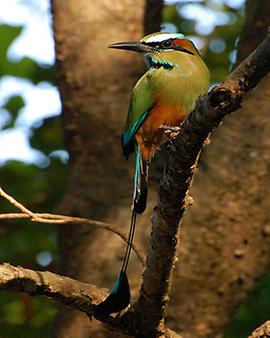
{"x":160,"y":49}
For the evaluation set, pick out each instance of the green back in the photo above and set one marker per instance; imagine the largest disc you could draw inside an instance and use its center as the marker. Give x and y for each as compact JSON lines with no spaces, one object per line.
{"x":141,"y":104}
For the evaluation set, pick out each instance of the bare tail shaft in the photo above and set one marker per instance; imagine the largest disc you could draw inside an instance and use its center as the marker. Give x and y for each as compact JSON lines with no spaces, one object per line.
{"x":130,"y":240}
{"x":140,"y":183}
{"x":119,"y":297}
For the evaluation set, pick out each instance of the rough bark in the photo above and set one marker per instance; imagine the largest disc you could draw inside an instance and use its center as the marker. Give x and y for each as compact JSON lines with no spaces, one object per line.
{"x":65,"y":290}
{"x":256,"y":22}
{"x":224,"y":247}
{"x":261,"y":332}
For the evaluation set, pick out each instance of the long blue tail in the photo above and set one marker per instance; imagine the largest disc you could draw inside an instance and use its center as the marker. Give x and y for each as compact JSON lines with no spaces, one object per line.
{"x":119,"y":298}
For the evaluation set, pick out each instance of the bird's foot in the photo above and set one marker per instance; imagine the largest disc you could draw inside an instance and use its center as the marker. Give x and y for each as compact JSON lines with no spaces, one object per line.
{"x":170,"y":131}
{"x":207,"y":141}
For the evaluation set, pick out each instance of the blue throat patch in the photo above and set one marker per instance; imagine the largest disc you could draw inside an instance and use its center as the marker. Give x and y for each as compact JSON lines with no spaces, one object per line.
{"x":154,"y":63}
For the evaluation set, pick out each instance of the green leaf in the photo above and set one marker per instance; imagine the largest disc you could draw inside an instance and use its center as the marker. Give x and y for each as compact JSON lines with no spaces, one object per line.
{"x":30,"y":69}
{"x":14,"y":105}
{"x":14,"y":312}
{"x":49,"y":136}
{"x":26,"y":67}
{"x":8,"y":35}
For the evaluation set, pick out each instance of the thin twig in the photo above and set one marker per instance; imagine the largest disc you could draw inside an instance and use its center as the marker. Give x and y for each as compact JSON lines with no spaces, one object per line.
{"x":62,"y":219}
{"x":17,"y":204}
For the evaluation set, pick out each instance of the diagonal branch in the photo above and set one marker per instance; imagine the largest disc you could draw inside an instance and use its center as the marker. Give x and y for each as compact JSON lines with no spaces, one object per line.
{"x":65,"y":290}
{"x":262,"y":331}
{"x":177,"y":178}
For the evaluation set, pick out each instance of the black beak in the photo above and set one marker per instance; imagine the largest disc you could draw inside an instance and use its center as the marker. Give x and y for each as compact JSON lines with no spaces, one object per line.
{"x":135,"y":46}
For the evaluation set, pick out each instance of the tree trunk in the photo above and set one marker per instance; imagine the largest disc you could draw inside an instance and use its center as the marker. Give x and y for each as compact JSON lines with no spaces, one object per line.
{"x":95,"y":85}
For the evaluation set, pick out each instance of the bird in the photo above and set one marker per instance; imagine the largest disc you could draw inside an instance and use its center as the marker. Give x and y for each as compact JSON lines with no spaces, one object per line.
{"x":176,"y":77}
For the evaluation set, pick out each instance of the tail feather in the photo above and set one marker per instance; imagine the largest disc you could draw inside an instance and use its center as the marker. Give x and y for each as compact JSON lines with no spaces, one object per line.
{"x":119,"y":297}
{"x":140,"y":183}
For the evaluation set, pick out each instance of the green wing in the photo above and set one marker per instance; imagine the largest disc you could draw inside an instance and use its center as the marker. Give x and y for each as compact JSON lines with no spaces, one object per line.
{"x":140,"y":105}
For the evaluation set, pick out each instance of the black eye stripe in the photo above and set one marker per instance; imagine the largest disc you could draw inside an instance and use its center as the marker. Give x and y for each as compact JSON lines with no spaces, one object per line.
{"x":161,"y":44}
{"x":152,"y":44}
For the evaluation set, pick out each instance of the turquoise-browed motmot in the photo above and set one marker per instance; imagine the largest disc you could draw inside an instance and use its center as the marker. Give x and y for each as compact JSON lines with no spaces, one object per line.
{"x":176,"y":77}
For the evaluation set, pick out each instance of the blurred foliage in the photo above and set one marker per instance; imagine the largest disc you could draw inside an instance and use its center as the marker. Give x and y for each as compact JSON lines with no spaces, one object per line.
{"x":40,"y":188}
{"x":49,"y":137}
{"x":26,"y":67}
{"x":254,"y":312}
{"x":25,"y":317}
{"x":217,"y":38}
{"x":13,"y":106}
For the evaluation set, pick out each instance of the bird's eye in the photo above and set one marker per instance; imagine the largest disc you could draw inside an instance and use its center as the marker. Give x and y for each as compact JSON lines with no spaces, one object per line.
{"x":167,"y":44}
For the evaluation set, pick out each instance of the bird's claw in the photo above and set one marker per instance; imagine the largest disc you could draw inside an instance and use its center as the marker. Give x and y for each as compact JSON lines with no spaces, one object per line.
{"x":170,"y":131}
{"x":207,"y":141}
